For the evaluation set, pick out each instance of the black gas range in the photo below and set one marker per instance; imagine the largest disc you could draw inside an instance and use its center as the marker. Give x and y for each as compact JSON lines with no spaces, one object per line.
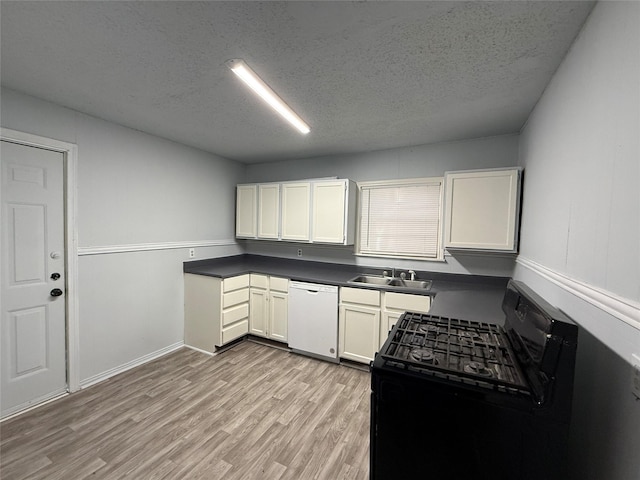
{"x":456,"y":399}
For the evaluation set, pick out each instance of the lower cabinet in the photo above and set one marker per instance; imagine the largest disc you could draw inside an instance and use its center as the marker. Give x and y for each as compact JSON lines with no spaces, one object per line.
{"x":367,"y":317}
{"x":268,"y":307}
{"x":216,"y":311}
{"x":395,"y":304}
{"x":358,"y":324}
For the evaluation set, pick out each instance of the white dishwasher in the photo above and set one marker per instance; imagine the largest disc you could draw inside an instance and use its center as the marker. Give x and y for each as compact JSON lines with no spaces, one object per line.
{"x":313,"y":320}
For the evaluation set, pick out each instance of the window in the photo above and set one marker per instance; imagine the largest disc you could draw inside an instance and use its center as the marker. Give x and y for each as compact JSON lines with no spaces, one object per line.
{"x":400,"y":218}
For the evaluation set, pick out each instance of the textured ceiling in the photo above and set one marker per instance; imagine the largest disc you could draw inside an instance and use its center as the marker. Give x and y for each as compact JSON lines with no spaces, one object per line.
{"x":364,"y":75}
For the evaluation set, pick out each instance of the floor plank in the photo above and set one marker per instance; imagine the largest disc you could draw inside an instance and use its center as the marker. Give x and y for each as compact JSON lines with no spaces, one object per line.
{"x":251,"y":412}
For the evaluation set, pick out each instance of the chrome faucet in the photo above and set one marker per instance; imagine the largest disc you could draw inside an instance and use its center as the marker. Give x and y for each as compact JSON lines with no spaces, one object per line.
{"x":413,"y":275}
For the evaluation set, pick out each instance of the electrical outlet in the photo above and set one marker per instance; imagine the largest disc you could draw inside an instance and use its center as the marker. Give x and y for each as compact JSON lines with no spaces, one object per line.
{"x":299,"y":252}
{"x":635,"y":375}
{"x":192,"y":252}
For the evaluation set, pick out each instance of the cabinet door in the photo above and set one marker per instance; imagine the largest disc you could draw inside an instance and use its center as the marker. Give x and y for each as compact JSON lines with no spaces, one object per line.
{"x":389,"y":319}
{"x":482,"y":210}
{"x":278,"y":316}
{"x":258,"y":313}
{"x":359,"y":333}
{"x":328,"y":213}
{"x":268,"y":210}
{"x":295,"y":211}
{"x":246,"y":203}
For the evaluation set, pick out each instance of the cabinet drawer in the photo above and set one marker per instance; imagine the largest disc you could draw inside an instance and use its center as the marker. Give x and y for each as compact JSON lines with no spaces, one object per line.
{"x":235,"y":331}
{"x":279,"y":284}
{"x":235,"y":314}
{"x":259,"y":281}
{"x":235,"y":283}
{"x":360,"y":296}
{"x":406,"y":302}
{"x":234,"y":298}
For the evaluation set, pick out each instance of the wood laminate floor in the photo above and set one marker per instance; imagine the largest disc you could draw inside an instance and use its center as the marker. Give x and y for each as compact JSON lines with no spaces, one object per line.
{"x":252,"y":412}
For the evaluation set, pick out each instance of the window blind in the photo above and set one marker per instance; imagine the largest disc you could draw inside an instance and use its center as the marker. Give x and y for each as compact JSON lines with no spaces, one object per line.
{"x":400,"y":219}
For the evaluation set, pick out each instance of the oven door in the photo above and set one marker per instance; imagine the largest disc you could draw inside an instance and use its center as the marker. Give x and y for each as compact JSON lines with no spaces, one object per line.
{"x":426,"y":429}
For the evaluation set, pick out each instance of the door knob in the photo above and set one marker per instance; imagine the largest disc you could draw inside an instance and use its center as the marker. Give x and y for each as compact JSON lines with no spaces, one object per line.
{"x":56,"y":292}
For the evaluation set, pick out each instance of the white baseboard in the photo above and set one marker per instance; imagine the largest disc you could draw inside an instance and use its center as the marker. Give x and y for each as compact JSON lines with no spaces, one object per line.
{"x":33,"y":404}
{"x":624,"y":309}
{"x":129,"y":365}
{"x":211,"y":354}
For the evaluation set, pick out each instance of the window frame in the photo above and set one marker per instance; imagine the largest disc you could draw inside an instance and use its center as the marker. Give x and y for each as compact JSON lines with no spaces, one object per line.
{"x":399,"y":183}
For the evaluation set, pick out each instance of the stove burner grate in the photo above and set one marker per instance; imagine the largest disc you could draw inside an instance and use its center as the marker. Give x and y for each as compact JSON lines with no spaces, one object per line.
{"x":457,"y":348}
{"x":478,"y":368}
{"x":423,"y":355}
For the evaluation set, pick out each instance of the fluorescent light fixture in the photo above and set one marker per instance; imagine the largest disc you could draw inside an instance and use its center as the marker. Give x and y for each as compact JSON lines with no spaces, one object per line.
{"x":256,"y":84}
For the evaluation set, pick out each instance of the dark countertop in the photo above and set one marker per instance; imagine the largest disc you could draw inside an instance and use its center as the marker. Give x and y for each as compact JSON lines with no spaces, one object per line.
{"x":472,"y":297}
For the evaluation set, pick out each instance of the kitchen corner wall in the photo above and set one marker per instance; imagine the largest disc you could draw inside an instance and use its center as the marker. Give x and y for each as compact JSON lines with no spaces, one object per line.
{"x":580,"y":231}
{"x":143,"y":201}
{"x":408,"y":162}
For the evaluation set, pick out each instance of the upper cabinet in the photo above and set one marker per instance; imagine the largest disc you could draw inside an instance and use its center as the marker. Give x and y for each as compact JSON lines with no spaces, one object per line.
{"x":246,"y":211}
{"x":296,"y":198}
{"x":482,"y":210}
{"x":313,"y":211}
{"x":333,"y":212}
{"x":268,"y":210}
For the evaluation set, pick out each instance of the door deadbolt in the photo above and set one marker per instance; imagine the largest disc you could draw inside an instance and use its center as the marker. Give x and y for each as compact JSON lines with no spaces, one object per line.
{"x":56,"y":292}
{"x":55,"y":276}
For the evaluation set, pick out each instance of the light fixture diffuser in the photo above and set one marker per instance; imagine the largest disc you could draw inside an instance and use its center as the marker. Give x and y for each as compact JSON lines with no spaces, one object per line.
{"x":248,"y":76}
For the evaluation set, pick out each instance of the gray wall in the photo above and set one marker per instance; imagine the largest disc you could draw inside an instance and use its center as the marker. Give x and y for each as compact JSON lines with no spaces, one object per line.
{"x":409,"y":162}
{"x":142,"y":193}
{"x":580,"y":229}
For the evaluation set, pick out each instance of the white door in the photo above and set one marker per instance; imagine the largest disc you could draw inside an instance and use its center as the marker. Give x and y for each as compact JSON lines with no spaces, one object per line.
{"x":328,"y":212}
{"x":295,"y":211}
{"x":258,"y":312}
{"x":33,"y":329}
{"x":359,"y":333}
{"x":246,"y":213}
{"x":278,"y":316}
{"x":269,"y":210}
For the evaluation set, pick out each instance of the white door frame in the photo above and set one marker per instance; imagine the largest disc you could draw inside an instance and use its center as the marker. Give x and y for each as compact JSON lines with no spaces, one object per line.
{"x":70,"y":154}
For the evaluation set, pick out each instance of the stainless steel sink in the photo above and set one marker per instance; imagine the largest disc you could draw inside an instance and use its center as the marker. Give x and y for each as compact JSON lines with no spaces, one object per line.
{"x":371,"y":279}
{"x":420,"y":284}
{"x":382,"y":281}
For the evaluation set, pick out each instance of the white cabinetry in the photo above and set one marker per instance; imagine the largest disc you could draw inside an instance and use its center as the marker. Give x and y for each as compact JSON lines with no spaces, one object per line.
{"x":367,"y":316}
{"x":333,"y":212}
{"x":359,"y":324}
{"x":296,"y":199}
{"x":269,"y":307}
{"x":482,"y":210}
{"x":258,"y":305}
{"x":268,"y":210}
{"x":395,"y":304}
{"x":278,"y":310}
{"x":246,"y":211}
{"x":216,"y":310}
{"x":317,"y":211}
